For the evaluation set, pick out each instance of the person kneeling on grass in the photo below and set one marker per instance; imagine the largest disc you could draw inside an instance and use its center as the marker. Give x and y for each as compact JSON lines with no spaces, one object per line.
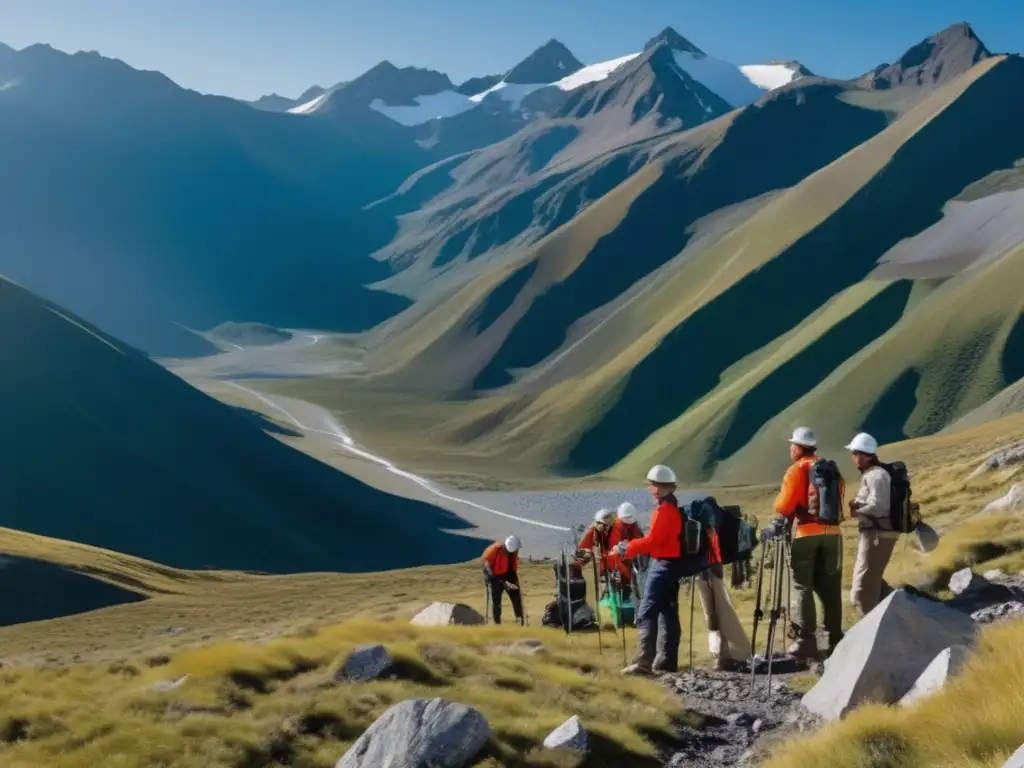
{"x":877,"y":538}
{"x":501,"y":570}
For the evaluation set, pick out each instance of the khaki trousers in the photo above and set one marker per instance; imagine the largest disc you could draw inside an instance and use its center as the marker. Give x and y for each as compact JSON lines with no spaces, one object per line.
{"x":873,"y":554}
{"x":726,"y":636}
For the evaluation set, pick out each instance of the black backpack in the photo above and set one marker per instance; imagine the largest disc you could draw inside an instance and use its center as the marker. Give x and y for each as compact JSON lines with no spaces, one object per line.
{"x":903,"y":512}
{"x":827,"y":482}
{"x":727,"y":522}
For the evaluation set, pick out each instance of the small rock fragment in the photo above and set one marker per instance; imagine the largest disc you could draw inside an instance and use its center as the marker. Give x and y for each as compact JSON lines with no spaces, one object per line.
{"x":569,"y":735}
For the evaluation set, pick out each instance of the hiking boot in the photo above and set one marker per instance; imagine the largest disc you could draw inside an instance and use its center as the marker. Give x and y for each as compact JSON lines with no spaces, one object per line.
{"x":805,"y":647}
{"x":664,"y":668}
{"x":833,"y":641}
{"x":519,"y":621}
{"x":638,"y":670}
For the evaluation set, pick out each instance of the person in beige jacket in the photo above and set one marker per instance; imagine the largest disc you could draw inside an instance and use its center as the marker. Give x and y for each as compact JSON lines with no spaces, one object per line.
{"x":877,"y":539}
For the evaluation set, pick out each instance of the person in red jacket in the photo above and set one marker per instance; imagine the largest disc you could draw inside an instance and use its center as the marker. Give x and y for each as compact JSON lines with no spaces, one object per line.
{"x":607,"y":530}
{"x":658,"y":629}
{"x":501,"y":571}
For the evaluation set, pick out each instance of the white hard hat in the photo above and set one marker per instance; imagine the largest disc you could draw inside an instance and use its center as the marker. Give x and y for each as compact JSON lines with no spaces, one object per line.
{"x":627,"y":512}
{"x":603,"y":516}
{"x":863,"y":443}
{"x":512,"y":544}
{"x":661,"y":474}
{"x":804,"y":436}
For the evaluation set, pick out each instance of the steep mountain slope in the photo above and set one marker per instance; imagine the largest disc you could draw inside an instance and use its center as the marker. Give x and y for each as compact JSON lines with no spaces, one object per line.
{"x":114,"y":451}
{"x":139,"y":204}
{"x":819,"y":270}
{"x":511,"y":194}
{"x":932,"y":62}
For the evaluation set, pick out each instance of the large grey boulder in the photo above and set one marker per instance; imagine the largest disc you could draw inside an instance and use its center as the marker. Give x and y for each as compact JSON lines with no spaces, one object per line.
{"x":365,"y":663}
{"x":884,"y":653}
{"x":442,"y":614}
{"x":947,"y":664}
{"x":1016,"y":759}
{"x":420,"y":733}
{"x":569,"y":735}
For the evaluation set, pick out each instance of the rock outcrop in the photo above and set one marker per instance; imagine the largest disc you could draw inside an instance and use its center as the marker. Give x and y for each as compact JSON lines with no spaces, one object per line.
{"x":1012,"y":502}
{"x":1007,"y":456}
{"x":569,"y":735}
{"x":442,"y":614}
{"x":365,"y":663}
{"x":884,"y":654}
{"x":420,"y":732}
{"x":944,"y":666}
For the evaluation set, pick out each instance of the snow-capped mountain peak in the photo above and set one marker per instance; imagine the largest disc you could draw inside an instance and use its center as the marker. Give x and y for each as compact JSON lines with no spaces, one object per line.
{"x":551,"y":62}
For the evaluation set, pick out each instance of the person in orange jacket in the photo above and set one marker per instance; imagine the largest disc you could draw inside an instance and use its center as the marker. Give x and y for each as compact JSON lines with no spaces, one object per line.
{"x":604,"y":534}
{"x":501,"y":571}
{"x":657,"y":621}
{"x":816,"y":554}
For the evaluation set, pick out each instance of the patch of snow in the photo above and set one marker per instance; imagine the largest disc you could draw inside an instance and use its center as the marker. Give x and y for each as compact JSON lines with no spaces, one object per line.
{"x":721,"y":77}
{"x":310,"y":106}
{"x":561,"y":65}
{"x":513,"y":93}
{"x":593,"y":73}
{"x":434,"y":106}
{"x":768,"y":77}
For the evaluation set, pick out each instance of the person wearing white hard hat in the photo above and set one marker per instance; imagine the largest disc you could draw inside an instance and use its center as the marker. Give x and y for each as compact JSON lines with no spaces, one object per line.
{"x":816,"y":554}
{"x":658,"y":629}
{"x":877,"y":539}
{"x":501,"y":570}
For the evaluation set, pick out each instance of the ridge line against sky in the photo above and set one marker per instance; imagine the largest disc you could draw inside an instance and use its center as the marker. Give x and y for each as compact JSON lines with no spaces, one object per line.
{"x":248,"y":48}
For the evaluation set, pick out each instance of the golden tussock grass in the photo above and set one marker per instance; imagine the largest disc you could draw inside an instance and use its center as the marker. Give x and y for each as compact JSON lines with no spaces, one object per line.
{"x":243,"y":705}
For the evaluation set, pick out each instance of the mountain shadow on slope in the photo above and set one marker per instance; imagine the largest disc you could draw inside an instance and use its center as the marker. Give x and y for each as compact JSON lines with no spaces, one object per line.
{"x":888,"y":417}
{"x":501,"y":298}
{"x":904,"y":198}
{"x":31,"y":590}
{"x":798,"y":376}
{"x":114,"y":451}
{"x":1012,"y":363}
{"x":137,"y":203}
{"x":807,"y":127}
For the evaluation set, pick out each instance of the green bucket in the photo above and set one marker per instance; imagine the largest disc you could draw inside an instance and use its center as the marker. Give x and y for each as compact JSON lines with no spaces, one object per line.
{"x":621,"y":612}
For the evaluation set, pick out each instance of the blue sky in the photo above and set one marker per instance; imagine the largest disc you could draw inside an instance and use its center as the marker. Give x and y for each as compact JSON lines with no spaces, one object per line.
{"x":246,"y":48}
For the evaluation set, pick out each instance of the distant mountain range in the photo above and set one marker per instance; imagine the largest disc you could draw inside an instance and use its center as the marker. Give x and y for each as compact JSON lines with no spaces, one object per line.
{"x":663,"y":256}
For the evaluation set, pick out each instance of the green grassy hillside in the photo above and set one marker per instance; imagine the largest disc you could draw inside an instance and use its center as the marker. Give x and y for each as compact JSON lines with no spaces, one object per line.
{"x":606,"y":361}
{"x":110,"y":449}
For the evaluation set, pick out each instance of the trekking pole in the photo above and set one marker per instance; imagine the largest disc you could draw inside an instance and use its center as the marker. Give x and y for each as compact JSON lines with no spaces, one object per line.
{"x":487,"y":599}
{"x":622,"y":621}
{"x":594,"y":554}
{"x":780,"y":564}
{"x":568,"y":595}
{"x":692,"y":589}
{"x":758,"y":615}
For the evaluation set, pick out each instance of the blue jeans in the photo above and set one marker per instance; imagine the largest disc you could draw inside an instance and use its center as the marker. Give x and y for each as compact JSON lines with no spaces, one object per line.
{"x":657,"y":621}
